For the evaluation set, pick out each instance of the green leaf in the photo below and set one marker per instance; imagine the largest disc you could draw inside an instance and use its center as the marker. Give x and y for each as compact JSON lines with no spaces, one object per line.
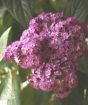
{"x":21,"y":10}
{"x":78,"y":9}
{"x":3,"y":41}
{"x":10,"y":90}
{"x":2,"y":10}
{"x":7,"y":20}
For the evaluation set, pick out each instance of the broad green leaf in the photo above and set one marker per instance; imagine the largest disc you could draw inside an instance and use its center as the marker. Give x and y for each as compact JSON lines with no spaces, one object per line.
{"x":3,"y":41}
{"x":6,"y":88}
{"x":10,"y":90}
{"x":21,"y":10}
{"x":3,"y":72}
{"x":78,"y":9}
{"x":4,"y":64}
{"x":2,"y":10}
{"x":7,"y":20}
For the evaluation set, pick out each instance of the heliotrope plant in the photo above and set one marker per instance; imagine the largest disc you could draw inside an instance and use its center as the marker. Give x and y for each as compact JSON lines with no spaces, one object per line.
{"x":51,"y":47}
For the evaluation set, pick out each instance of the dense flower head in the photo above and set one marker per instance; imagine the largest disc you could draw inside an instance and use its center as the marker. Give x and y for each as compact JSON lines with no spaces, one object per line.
{"x":51,"y":46}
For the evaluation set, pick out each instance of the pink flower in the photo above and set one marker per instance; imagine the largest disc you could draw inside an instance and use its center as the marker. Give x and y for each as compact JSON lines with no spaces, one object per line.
{"x":51,"y":46}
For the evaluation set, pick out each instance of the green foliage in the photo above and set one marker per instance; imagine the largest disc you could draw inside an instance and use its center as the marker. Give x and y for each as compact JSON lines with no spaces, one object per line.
{"x":14,"y":17}
{"x":21,"y":10}
{"x":3,"y":41}
{"x":58,"y":4}
{"x":7,"y":20}
{"x":78,"y":9}
{"x":10,"y":89}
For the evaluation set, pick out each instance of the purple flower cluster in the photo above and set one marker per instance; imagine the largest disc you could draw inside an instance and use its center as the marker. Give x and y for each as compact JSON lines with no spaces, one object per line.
{"x":51,"y":47}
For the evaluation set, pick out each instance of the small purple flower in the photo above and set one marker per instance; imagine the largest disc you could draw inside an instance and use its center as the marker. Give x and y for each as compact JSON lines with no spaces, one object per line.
{"x":51,"y":46}
{"x":12,"y":53}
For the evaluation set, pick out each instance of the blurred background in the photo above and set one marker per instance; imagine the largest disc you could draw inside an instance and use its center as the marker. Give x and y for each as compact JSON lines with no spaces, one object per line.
{"x":14,"y":18}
